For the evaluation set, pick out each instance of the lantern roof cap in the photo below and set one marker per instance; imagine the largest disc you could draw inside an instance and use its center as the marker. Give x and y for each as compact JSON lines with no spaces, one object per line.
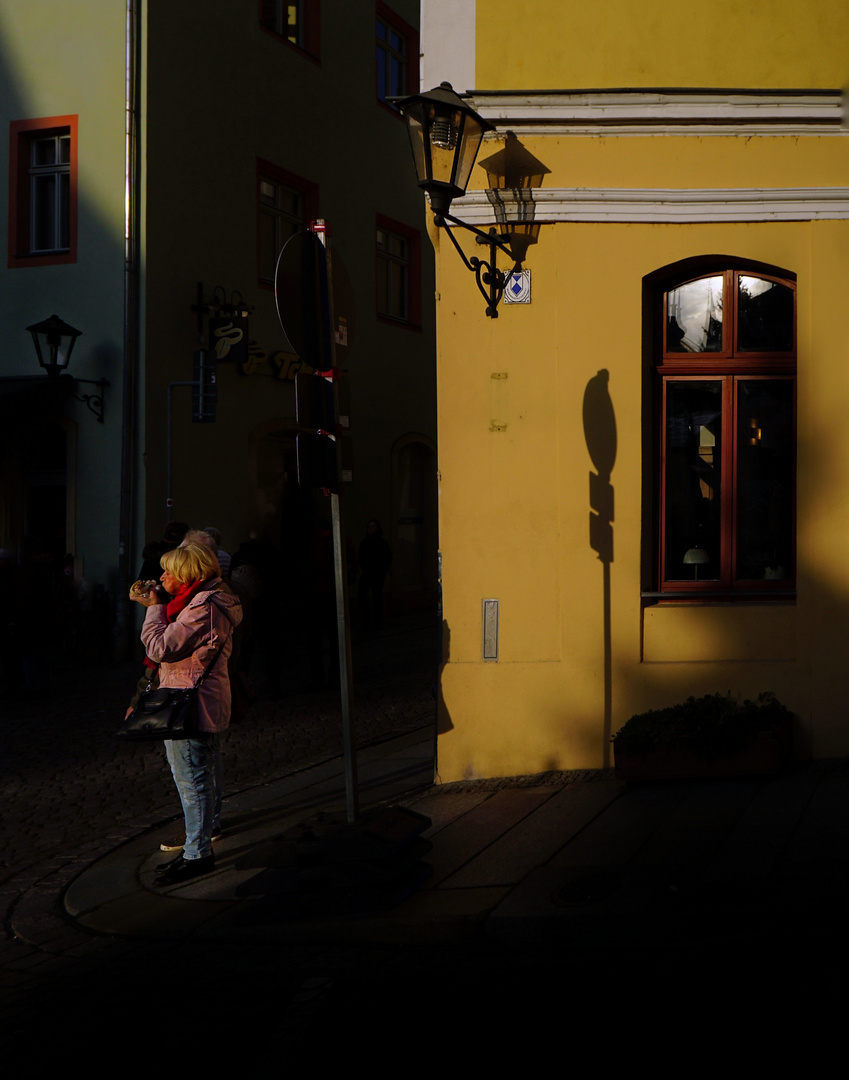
{"x":54,"y":325}
{"x":444,"y":95}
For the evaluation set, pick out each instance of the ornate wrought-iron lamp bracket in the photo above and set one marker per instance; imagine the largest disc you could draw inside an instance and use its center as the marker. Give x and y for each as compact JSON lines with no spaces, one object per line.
{"x":490,"y":280}
{"x":94,"y":402}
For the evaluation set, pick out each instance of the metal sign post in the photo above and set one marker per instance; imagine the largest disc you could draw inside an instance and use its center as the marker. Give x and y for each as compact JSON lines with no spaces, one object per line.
{"x":304,"y":290}
{"x":343,"y":622}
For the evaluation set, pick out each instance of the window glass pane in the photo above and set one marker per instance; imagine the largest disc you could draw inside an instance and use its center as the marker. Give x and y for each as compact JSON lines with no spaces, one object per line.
{"x":286,"y":230}
{"x":398,"y":290}
{"x":44,"y":151}
{"x":294,"y":23}
{"x":764,"y":316}
{"x":382,"y":286}
{"x":694,"y":317}
{"x":764,"y":479}
{"x":65,"y":149}
{"x":396,"y":74}
{"x":64,"y":210}
{"x":44,"y":212}
{"x":391,"y":62}
{"x":393,"y":267}
{"x":693,"y":471}
{"x":289,"y":201}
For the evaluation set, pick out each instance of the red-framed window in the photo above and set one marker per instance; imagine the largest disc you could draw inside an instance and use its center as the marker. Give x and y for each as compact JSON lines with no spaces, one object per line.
{"x":286,"y":204}
{"x":43,"y":191}
{"x":396,"y":56}
{"x":297,"y":22}
{"x":398,"y":281}
{"x":726,"y":381}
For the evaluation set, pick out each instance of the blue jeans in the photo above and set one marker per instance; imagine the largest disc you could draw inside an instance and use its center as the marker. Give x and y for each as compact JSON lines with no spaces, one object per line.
{"x":196,"y":768}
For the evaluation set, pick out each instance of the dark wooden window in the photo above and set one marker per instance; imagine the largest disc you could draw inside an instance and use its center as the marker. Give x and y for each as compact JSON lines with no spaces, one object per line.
{"x":43,"y":191}
{"x":397,"y":56}
{"x":726,"y":383}
{"x":286,"y":204}
{"x":297,"y":22}
{"x":398,"y":272}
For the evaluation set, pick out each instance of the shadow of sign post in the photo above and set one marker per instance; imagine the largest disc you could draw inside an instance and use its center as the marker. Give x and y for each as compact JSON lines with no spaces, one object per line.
{"x":600,"y":435}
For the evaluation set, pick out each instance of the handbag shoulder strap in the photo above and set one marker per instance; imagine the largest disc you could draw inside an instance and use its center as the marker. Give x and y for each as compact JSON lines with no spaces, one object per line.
{"x":217,"y":653}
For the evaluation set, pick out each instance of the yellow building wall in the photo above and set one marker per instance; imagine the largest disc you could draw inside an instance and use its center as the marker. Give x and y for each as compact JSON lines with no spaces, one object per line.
{"x":579,"y":654}
{"x":514,"y":480}
{"x":617,"y":43}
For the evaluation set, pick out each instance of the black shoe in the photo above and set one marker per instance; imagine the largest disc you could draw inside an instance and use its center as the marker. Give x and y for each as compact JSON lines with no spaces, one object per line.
{"x":181,"y":869}
{"x":171,"y":862}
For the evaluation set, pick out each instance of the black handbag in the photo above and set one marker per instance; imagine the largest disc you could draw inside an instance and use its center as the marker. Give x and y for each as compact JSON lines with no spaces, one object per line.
{"x":164,"y":713}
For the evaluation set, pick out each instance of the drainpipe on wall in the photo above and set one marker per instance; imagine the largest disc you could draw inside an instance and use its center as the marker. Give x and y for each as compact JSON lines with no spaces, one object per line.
{"x":132,"y":65}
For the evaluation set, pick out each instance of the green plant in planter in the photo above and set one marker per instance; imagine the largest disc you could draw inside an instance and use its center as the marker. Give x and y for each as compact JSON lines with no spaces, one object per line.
{"x":712,"y":726}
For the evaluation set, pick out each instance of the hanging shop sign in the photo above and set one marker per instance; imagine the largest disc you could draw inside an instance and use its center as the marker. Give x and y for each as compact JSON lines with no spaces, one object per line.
{"x":228,"y":338}
{"x":281,"y":365}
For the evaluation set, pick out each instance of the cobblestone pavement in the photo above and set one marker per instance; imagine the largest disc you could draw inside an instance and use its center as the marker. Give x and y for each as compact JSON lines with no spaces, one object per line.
{"x":65,"y":781}
{"x":70,"y":792}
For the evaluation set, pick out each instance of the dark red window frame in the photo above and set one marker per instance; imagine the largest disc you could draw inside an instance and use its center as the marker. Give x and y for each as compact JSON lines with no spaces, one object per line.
{"x":311,"y":43}
{"x":411,"y":41}
{"x":306,"y":188}
{"x":729,"y":368}
{"x":413,"y":318}
{"x":21,"y":135}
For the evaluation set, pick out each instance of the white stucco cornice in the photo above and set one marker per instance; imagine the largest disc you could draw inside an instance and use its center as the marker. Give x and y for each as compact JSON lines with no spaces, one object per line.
{"x":658,"y":112}
{"x":661,"y":205}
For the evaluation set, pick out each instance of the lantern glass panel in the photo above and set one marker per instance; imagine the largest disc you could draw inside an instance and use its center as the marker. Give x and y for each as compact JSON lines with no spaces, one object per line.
{"x":472,"y":134}
{"x":444,"y":128}
{"x":416,"y":132}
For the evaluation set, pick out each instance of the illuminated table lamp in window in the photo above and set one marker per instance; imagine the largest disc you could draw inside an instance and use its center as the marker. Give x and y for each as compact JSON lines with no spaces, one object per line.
{"x":696,"y":557}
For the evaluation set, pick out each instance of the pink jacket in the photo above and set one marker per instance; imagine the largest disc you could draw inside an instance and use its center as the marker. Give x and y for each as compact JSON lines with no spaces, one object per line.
{"x":183,"y":648}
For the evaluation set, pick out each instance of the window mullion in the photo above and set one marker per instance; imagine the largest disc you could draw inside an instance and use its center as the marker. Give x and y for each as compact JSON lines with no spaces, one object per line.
{"x":57,"y":206}
{"x":730,"y":484}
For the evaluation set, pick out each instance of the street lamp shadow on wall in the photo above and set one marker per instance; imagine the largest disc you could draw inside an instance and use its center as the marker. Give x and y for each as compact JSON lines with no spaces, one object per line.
{"x":54,"y":342}
{"x":445,"y":135}
{"x":512,"y":174}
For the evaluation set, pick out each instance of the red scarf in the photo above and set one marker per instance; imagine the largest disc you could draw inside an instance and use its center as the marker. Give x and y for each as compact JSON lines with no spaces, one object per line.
{"x":175,"y":605}
{"x":181,"y":599}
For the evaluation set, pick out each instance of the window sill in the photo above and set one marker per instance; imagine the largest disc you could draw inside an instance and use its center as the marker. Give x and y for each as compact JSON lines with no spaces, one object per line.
{"x":781,"y":596}
{"x":48,"y":258}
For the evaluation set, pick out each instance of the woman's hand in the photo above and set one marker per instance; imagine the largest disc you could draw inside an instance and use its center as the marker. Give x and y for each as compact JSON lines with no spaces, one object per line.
{"x":146,"y":593}
{"x":150,"y":600}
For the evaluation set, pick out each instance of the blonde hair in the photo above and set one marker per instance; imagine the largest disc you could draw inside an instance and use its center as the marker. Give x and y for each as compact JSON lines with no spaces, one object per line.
{"x":194,"y":562}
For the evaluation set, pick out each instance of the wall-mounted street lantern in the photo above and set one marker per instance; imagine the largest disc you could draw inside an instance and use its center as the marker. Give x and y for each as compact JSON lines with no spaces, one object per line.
{"x":445,"y":135}
{"x":54,"y":342}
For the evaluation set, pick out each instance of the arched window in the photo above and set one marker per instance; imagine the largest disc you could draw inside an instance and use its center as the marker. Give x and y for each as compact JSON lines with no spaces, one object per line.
{"x":726,"y":385}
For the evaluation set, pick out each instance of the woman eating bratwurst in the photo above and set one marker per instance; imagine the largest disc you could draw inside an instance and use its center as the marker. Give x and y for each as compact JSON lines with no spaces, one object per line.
{"x":183,"y":634}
